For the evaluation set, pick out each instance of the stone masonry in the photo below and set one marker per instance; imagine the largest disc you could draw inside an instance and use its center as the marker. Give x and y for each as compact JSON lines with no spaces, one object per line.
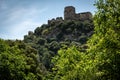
{"x":70,"y":14}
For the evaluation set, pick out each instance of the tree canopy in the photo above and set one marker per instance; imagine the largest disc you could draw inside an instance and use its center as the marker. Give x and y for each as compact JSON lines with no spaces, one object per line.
{"x":60,"y":52}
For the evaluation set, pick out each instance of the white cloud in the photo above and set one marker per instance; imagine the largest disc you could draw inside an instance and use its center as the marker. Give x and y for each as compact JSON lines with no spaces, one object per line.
{"x":23,"y":13}
{"x":18,"y":31}
{"x":22,"y":28}
{"x":22,"y":20}
{"x":3,"y":35}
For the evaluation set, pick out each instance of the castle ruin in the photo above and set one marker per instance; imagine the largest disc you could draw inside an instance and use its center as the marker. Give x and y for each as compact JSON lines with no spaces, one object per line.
{"x":57,"y":20}
{"x":70,"y":14}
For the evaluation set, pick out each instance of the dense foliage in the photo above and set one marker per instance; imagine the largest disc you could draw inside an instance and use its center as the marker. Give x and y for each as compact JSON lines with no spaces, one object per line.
{"x":71,"y":64}
{"x":106,"y":40}
{"x":18,"y":62}
{"x":58,"y":51}
{"x":30,"y":59}
{"x":49,"y":38}
{"x":102,"y":59}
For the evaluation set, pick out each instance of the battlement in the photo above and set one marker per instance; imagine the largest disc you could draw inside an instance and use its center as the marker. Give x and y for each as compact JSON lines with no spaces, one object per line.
{"x":70,"y":14}
{"x":57,"y":20}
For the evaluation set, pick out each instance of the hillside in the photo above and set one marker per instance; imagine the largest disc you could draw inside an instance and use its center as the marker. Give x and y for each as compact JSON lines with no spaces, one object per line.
{"x":48,"y":39}
{"x":73,"y":48}
{"x":58,"y":33}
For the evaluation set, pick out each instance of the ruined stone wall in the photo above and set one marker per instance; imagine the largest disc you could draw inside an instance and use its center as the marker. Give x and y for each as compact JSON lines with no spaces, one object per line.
{"x":57,"y":20}
{"x":70,"y":14}
{"x":84,"y":16}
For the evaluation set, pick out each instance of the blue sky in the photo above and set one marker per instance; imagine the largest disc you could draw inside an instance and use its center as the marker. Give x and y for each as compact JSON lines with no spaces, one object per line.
{"x":17,"y":17}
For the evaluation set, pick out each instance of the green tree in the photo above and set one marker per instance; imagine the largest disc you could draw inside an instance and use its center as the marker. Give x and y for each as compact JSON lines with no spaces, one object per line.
{"x":105,"y":43}
{"x":15,"y":64}
{"x":71,"y":64}
{"x":12,"y":63}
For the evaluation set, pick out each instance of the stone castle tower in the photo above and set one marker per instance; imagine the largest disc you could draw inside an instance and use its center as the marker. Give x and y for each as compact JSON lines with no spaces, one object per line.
{"x":70,"y":14}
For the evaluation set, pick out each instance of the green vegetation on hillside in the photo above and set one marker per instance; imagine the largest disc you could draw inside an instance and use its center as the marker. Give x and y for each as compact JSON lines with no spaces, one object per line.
{"x":105,"y":43}
{"x":101,"y":61}
{"x":48,"y":39}
{"x":18,"y":61}
{"x":67,"y":50}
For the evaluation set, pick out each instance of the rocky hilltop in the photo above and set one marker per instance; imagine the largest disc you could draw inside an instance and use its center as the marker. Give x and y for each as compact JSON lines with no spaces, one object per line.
{"x":74,"y":29}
